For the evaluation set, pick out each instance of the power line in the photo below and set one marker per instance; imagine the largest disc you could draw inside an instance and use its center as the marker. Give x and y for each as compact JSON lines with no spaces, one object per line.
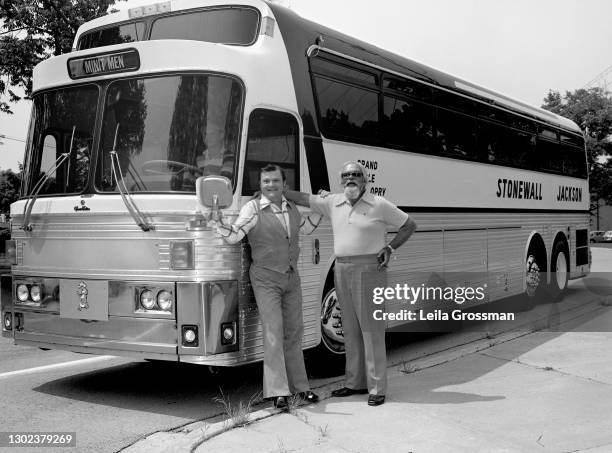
{"x":601,"y":76}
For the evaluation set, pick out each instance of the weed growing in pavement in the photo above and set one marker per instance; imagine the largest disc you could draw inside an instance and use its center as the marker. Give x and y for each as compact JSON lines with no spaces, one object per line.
{"x":293,"y":403}
{"x":237,"y":415}
{"x":408,"y":368}
{"x":323,"y":430}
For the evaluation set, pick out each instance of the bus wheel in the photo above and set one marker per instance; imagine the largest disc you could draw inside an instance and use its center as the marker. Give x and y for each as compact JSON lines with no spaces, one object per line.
{"x":332,"y":336}
{"x":559,"y":267}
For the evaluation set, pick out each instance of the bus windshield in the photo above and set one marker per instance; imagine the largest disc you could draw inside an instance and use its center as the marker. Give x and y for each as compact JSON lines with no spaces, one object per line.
{"x":62,"y":122}
{"x":167,"y":131}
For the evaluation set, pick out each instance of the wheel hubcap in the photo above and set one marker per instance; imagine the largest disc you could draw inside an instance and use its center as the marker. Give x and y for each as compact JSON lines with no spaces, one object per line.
{"x":561,"y":270}
{"x":331,"y":323}
{"x":532,"y":275}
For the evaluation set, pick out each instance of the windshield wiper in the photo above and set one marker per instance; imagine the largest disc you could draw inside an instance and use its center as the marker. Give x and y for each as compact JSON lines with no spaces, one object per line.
{"x":123,"y":190}
{"x":27,"y":209}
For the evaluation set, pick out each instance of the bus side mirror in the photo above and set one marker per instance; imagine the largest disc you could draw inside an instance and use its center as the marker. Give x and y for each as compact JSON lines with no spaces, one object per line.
{"x":214,"y":192}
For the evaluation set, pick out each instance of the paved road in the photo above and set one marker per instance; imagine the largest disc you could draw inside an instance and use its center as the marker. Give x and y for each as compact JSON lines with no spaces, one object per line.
{"x":109,"y":402}
{"x":112,"y":402}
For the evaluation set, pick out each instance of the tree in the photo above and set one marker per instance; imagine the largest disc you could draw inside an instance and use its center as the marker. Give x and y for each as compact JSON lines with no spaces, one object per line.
{"x":9,"y":189}
{"x":34,"y":30}
{"x":591,"y":109}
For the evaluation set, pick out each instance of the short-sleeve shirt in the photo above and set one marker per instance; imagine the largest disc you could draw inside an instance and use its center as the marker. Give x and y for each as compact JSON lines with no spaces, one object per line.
{"x":359,"y":229}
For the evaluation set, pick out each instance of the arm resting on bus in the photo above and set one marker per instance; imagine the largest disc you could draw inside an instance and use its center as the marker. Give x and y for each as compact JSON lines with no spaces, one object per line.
{"x":403,"y":234}
{"x":239,"y":229}
{"x":299,"y":198}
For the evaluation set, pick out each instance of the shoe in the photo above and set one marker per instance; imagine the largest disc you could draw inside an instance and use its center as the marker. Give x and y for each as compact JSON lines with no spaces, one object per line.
{"x":280,"y":402}
{"x":308,"y":396}
{"x":376,"y":400}
{"x":345,"y":391}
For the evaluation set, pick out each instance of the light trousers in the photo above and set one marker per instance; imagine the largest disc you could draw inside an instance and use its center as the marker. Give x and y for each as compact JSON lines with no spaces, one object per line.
{"x":364,"y":337}
{"x":279,"y":300}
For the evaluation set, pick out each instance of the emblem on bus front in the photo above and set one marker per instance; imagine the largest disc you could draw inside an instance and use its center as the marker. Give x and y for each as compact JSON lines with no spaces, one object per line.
{"x":82,"y":293}
{"x":83,"y":207}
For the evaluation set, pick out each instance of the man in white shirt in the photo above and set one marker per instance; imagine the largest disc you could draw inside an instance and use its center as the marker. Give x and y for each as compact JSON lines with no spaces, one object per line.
{"x":359,"y":223}
{"x":272,"y":225}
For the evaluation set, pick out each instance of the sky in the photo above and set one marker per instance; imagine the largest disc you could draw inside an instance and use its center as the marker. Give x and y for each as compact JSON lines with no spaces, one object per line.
{"x":520,"y":48}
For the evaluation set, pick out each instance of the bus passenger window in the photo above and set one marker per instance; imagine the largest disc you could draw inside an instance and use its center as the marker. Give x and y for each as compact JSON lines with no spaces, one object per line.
{"x":456,"y":135}
{"x":273,"y":138}
{"x":407,"y":124}
{"x":108,"y":36}
{"x":347,"y":111}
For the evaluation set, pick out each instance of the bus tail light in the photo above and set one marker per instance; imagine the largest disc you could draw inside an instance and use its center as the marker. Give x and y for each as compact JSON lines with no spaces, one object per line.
{"x":181,"y":255}
{"x":190,"y":335}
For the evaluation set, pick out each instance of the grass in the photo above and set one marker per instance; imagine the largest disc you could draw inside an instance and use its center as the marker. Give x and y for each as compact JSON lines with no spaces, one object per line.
{"x":323,"y":430}
{"x":408,"y":368}
{"x":237,"y":415}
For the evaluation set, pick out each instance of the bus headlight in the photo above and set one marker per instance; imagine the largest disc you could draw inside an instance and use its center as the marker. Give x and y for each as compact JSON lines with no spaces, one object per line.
{"x":147,"y":299}
{"x":36,"y":293}
{"x":164,"y":300}
{"x":22,"y":292}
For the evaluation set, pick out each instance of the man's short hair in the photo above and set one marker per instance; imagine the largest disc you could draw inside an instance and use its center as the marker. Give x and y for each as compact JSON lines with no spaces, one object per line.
{"x":272,"y":167}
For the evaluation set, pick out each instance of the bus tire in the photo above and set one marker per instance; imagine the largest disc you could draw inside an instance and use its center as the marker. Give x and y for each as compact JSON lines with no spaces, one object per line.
{"x":559,"y":268}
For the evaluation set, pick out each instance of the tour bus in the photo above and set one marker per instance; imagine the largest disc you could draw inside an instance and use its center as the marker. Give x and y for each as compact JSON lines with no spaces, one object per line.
{"x":112,"y":251}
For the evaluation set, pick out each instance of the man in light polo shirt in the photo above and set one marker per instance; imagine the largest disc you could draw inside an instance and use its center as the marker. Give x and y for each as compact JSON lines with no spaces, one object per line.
{"x":359,"y":222}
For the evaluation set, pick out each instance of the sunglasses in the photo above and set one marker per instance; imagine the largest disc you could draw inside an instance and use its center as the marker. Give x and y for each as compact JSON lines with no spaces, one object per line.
{"x":349,"y":174}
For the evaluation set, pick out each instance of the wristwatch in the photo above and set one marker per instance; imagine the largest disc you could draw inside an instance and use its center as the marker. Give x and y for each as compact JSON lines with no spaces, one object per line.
{"x":390,"y":248}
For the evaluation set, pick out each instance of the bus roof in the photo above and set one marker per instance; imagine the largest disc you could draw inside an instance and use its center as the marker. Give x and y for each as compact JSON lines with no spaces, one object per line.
{"x":346,"y":45}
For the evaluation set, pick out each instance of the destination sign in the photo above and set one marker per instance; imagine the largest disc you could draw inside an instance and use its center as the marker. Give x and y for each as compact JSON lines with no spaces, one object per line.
{"x":100,"y":64}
